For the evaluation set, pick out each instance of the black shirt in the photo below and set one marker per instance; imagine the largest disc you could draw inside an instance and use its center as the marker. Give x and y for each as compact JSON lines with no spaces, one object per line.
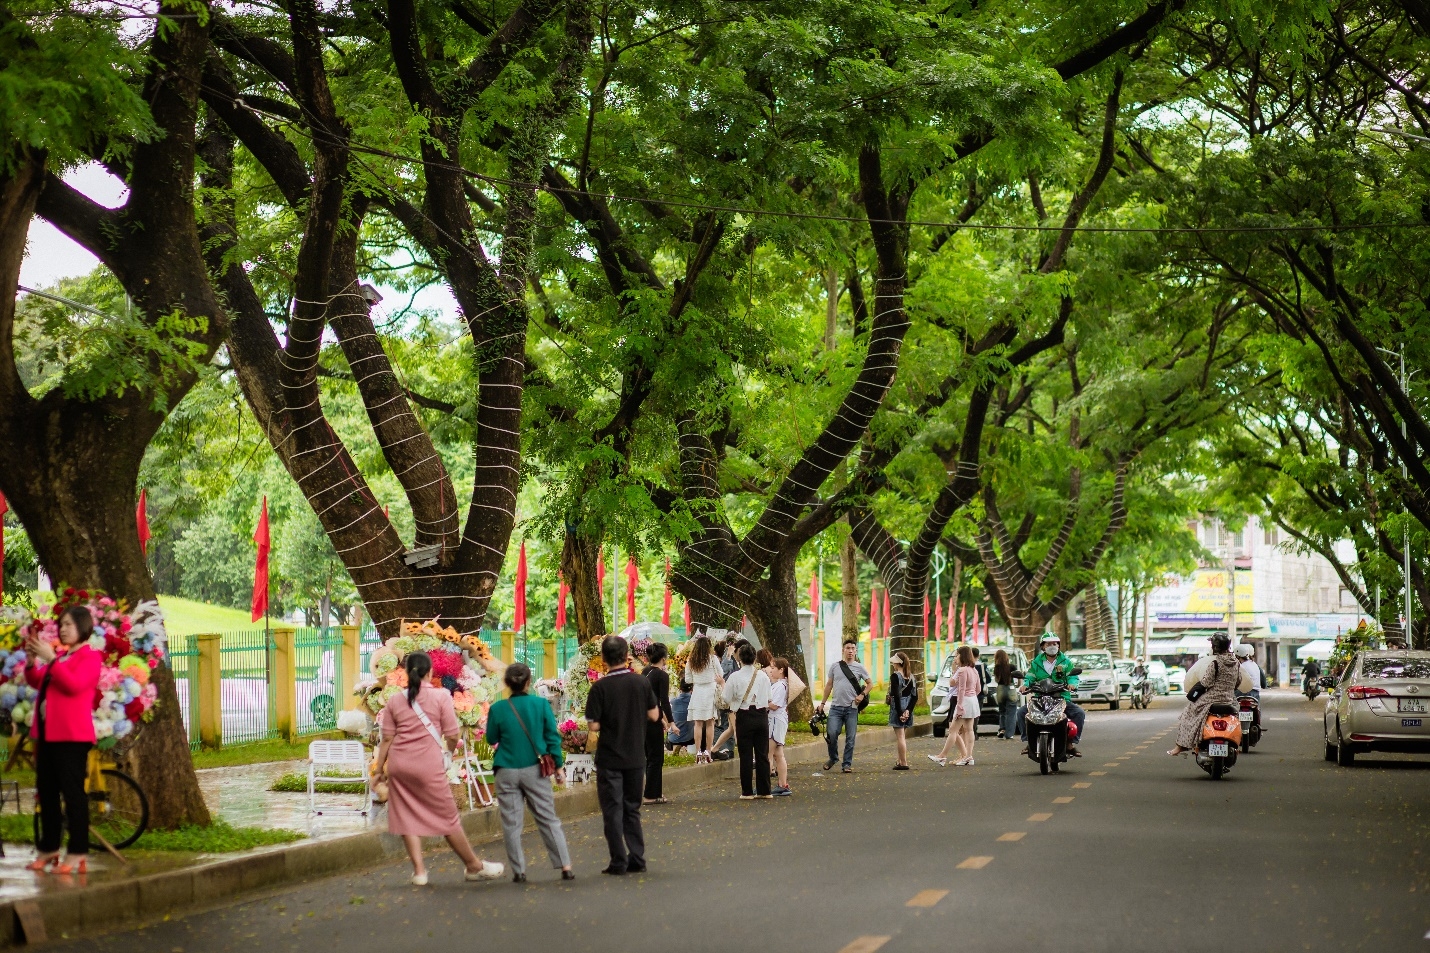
{"x":619,"y":702}
{"x":660,"y":684}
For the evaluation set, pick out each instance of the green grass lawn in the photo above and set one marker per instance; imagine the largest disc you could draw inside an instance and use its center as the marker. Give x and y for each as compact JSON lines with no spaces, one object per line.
{"x":220,"y":838}
{"x":188,"y":617}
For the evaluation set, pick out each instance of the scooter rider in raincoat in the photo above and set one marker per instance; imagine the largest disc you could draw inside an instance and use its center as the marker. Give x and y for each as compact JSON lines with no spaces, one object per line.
{"x":1051,"y":663}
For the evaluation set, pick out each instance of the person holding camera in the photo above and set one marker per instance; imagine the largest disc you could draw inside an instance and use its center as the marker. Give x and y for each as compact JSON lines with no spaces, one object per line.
{"x":848,"y":682}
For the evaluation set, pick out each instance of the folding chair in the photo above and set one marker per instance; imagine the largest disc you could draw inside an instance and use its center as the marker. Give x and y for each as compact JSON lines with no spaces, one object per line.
{"x":474,"y":778}
{"x":338,"y":762}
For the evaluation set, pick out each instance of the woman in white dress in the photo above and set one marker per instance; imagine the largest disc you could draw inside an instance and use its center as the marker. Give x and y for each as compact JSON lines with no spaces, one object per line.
{"x":779,"y":723}
{"x":702,"y":671}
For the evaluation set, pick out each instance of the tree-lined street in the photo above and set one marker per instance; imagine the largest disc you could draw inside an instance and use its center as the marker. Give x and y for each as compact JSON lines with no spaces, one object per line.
{"x":1127,"y":849}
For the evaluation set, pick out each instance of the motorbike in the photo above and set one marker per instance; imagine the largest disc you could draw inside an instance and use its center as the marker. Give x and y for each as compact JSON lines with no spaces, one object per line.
{"x":1221,"y":736}
{"x":1141,"y":690}
{"x":1049,"y":731}
{"x":1250,"y":718}
{"x":1312,"y":688}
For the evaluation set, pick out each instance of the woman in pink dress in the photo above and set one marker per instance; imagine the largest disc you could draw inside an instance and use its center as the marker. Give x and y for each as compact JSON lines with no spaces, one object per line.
{"x":963,"y":731}
{"x":417,"y":727}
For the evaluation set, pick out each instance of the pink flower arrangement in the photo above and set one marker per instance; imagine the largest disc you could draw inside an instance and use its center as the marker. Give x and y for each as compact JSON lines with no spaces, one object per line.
{"x":463,"y":701}
{"x":568,"y":725}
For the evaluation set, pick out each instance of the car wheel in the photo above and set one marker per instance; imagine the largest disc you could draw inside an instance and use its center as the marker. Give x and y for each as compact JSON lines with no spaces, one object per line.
{"x":1114,"y":705}
{"x":1345,"y":754}
{"x":1330,"y":751}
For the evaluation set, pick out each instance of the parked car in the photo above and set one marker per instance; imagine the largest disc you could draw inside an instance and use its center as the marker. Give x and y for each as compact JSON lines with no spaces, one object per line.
{"x":1157,"y":672}
{"x":1380,"y":703}
{"x":1176,"y":679}
{"x":1124,"y":667}
{"x":1098,"y":681}
{"x":987,"y":702}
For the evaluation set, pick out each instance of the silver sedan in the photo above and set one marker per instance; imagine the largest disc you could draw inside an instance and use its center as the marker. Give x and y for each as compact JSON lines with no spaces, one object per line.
{"x":1381,"y":703}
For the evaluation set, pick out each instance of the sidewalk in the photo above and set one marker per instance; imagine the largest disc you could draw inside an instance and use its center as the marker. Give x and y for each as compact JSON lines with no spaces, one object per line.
{"x":156,"y":885}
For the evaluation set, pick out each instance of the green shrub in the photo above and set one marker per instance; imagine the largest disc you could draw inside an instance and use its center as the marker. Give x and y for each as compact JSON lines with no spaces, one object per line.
{"x":298,"y":784}
{"x":218,"y":838}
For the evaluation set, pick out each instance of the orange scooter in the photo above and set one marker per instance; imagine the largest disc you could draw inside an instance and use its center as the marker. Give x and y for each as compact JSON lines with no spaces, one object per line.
{"x":1221,"y":737}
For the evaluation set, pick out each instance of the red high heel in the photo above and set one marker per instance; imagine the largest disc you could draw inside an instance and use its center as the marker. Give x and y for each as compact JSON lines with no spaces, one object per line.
{"x":80,"y":866}
{"x":39,"y":864}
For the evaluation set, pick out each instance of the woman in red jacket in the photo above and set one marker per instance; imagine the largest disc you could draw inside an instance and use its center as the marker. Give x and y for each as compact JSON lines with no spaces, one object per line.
{"x":67,"y":679}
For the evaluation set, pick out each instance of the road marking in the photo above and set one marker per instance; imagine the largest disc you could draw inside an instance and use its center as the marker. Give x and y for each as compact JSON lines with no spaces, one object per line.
{"x":1427,"y":936}
{"x":1125,"y":757}
{"x":927,"y":898}
{"x":1062,"y":800}
{"x":1096,"y":774}
{"x":1112,"y":764}
{"x":865,"y":944}
{"x":1013,"y":835}
{"x":975,"y":863}
{"x":1083,"y":784}
{"x":1039,"y":817}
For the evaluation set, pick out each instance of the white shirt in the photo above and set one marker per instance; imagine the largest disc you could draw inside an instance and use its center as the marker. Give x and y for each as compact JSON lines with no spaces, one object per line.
{"x":1251,"y":670}
{"x":759,"y":697}
{"x":1202,"y":668}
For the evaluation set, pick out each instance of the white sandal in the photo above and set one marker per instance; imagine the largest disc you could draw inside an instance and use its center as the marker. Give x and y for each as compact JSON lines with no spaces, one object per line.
{"x":941,"y":762}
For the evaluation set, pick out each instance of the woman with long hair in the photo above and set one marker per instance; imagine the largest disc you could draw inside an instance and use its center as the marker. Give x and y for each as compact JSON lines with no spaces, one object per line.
{"x":965,"y":715}
{"x":779,"y":723}
{"x":1006,"y":691}
{"x":702,"y":671}
{"x":903,"y":696}
{"x":522,"y":729}
{"x":418,"y":727}
{"x":67,"y":679}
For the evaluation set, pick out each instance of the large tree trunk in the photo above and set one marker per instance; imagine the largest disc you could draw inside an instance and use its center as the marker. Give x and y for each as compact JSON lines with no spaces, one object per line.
{"x":579,"y":556}
{"x":849,"y":580}
{"x":774,"y":612}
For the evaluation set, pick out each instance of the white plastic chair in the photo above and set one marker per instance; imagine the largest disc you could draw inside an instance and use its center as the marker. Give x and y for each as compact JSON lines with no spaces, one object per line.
{"x":479,"y":789}
{"x":338,"y":762}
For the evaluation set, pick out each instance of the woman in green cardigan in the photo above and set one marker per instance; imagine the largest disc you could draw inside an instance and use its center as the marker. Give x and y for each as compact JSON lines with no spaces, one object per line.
{"x":522,"y":728}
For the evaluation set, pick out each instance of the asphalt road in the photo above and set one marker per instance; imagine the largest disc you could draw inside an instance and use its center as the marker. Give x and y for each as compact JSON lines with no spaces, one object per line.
{"x":1126,"y":850}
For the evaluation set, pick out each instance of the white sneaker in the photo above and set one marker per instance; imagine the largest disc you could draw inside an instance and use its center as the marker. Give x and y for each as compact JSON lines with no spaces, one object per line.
{"x":489,"y":871}
{"x":419,"y":880}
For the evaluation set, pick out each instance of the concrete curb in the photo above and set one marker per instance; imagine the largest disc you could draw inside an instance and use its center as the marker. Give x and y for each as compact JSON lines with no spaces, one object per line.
{"x":125,"y":903}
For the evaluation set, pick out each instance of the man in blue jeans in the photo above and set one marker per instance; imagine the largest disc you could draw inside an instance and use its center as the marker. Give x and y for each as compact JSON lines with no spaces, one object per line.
{"x":848,"y":682}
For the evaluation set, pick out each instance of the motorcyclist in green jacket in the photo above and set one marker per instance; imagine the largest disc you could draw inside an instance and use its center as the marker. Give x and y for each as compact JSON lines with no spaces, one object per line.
{"x":1050,"y":662}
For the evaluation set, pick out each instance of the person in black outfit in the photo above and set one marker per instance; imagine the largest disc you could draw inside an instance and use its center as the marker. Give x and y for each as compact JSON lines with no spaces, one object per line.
{"x":620,"y":705}
{"x":659,"y":680}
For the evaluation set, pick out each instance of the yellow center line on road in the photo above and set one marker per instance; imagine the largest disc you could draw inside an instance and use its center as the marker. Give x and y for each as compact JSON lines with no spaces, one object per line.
{"x":1083,"y":784}
{"x":1039,"y":817}
{"x":927,"y":898}
{"x":1097,"y":774}
{"x":1125,"y":757}
{"x":975,"y":863}
{"x":1013,"y":835}
{"x":865,"y":944}
{"x":1062,"y":800}
{"x":1111,"y":764}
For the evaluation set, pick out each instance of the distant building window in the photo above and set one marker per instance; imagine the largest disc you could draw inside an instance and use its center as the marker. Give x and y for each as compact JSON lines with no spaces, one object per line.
{"x":1270,"y":536}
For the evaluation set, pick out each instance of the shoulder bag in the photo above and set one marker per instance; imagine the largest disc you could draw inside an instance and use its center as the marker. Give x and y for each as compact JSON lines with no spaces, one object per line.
{"x":858,"y":689}
{"x":436,"y":735}
{"x":545,"y":761}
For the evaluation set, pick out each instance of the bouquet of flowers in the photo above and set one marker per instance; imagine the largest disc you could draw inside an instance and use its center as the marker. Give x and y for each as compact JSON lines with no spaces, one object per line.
{"x":585,"y":669}
{"x":132,"y":646}
{"x":463,"y":665}
{"x":573,"y":736}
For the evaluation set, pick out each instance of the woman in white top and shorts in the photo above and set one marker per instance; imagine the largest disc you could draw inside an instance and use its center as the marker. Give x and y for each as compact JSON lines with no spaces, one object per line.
{"x":965,"y":715}
{"x":702,"y":671}
{"x":779,"y":723}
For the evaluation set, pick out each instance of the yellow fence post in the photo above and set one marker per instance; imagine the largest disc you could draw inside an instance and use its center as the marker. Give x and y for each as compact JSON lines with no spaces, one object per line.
{"x":548,"y":659}
{"x":210,"y":690}
{"x":285,"y":684}
{"x":348,"y":670}
{"x":508,"y":647}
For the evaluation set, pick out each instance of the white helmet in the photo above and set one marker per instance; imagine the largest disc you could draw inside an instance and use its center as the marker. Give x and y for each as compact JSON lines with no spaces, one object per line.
{"x":1244,"y":650}
{"x":1049,"y":637}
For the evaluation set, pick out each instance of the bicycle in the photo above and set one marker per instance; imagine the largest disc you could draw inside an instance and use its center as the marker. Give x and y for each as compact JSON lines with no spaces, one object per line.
{"x":118,"y":806}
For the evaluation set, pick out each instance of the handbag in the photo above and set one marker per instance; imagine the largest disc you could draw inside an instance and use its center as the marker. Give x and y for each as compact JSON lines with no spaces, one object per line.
{"x":436,"y":735}
{"x":546,"y":762}
{"x":858,"y":689}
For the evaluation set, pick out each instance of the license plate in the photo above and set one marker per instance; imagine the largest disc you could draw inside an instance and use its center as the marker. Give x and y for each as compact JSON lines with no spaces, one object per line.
{"x":1410,"y":722}
{"x":1412,"y":704}
{"x":1219,"y":749}
{"x":1244,"y":715}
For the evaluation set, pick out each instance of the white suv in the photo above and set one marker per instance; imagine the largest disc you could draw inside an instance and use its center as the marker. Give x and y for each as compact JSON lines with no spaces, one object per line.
{"x":1098,"y":681}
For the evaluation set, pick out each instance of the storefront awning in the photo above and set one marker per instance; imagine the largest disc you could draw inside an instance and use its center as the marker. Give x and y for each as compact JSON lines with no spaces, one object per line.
{"x":1163,"y":647}
{"x":1317,"y":649}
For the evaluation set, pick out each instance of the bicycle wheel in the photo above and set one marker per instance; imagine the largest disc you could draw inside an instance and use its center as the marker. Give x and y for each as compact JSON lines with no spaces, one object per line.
{"x":120,"y":813}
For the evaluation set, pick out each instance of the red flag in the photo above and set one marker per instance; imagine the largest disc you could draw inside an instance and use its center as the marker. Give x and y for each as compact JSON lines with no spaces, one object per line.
{"x":141,"y":516}
{"x":887,"y":627}
{"x":518,"y":596}
{"x":937,"y":619}
{"x":963,"y":622}
{"x":633,"y":576}
{"x":687,"y":618}
{"x":561,"y":593}
{"x":814,"y":597}
{"x":3,"y":508}
{"x":873,"y":613}
{"x":985,"y":625}
{"x":926,"y":616}
{"x":665,"y":609}
{"x":601,"y":574}
{"x":260,"y":564}
{"x":952,"y":618}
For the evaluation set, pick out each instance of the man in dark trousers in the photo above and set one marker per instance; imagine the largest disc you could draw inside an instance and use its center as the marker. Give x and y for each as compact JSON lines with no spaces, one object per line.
{"x":619,"y":707}
{"x":659,"y":679}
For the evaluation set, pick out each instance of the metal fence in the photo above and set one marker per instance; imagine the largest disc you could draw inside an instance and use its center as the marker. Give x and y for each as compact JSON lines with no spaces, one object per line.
{"x":318,"y":667}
